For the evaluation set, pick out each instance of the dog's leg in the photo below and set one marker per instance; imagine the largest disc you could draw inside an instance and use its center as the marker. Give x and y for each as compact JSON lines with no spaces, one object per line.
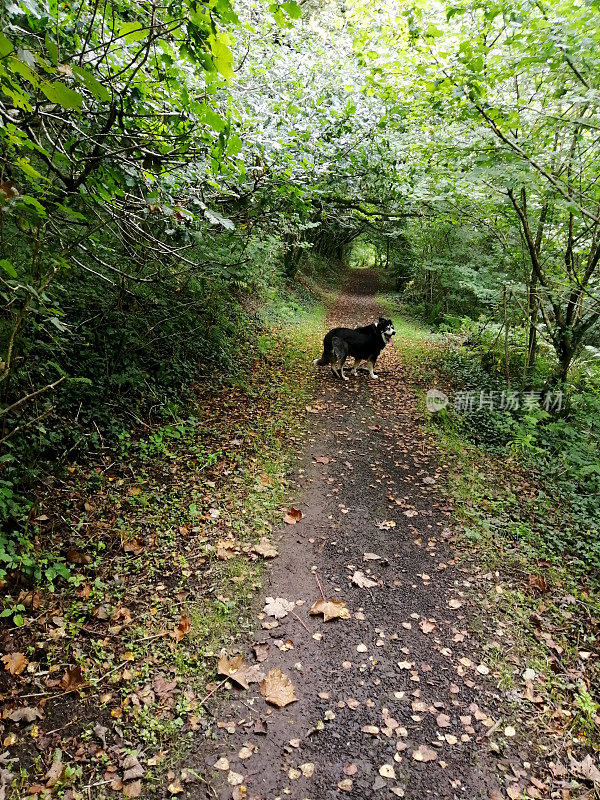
{"x":355,"y":365}
{"x":371,"y":365}
{"x":343,"y":377}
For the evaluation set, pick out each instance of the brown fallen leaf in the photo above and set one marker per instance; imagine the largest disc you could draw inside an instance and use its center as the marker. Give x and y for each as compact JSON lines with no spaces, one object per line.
{"x":77,"y":557}
{"x":73,"y":680}
{"x":587,"y":769}
{"x":538,"y":582}
{"x":293,"y":516}
{"x":261,"y":650}
{"x":226,"y":549}
{"x":361,"y":580}
{"x":236,"y":668}
{"x":350,"y":769}
{"x":424,"y":754}
{"x":443,"y":721}
{"x":182,"y":629}
{"x":331,"y":609}
{"x":277,"y":689}
{"x":15,"y":663}
{"x":427,"y":625}
{"x":175,"y":787}
{"x":135,"y":547}
{"x":26,"y":714}
{"x":54,"y":774}
{"x":323,"y":459}
{"x":265,"y":549}
{"x":345,"y":785}
{"x":133,"y":789}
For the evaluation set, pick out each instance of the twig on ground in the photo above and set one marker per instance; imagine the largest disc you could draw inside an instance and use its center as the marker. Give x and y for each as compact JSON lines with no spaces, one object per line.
{"x":210,"y":694}
{"x":319,"y":585}
{"x":306,"y":628}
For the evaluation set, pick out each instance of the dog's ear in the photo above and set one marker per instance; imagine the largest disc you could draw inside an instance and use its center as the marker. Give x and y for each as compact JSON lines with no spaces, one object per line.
{"x":382,"y":320}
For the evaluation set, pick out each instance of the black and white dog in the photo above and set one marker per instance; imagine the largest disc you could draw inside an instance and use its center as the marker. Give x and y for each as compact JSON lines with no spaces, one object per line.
{"x":363,"y":344}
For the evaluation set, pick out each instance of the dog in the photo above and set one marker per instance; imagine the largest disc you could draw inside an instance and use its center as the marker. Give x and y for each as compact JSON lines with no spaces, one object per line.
{"x":363,"y":344}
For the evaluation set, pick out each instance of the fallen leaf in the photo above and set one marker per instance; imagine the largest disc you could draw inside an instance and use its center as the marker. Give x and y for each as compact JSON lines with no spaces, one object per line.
{"x":182,"y":629}
{"x":234,"y":778}
{"x":265,"y":549}
{"x":385,"y":525}
{"x":307,"y":769}
{"x":361,"y":580}
{"x":453,"y":603}
{"x":539,"y":582}
{"x":175,"y":787}
{"x":133,"y":768}
{"x":277,"y":689}
{"x":54,"y":774}
{"x":261,"y":650}
{"x":323,"y":459}
{"x":387,"y":771}
{"x":236,"y":668}
{"x":293,"y":516}
{"x":350,"y":769}
{"x":372,"y":729}
{"x":15,"y":663}
{"x":427,"y":625}
{"x":72,"y":680}
{"x":509,"y":731}
{"x":587,"y":769}
{"x":371,"y":557}
{"x":278,"y":607}
{"x":331,"y":609}
{"x":222,"y":764}
{"x":226,"y":549}
{"x":443,"y":721}
{"x":424,"y":754}
{"x":132,"y":789}
{"x":345,"y":785}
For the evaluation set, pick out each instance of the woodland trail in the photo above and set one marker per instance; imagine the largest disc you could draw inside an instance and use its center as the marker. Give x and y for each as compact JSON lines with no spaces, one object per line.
{"x":403,"y":662}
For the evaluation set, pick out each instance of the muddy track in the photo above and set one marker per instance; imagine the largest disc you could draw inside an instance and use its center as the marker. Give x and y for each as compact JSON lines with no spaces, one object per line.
{"x":396,"y":663}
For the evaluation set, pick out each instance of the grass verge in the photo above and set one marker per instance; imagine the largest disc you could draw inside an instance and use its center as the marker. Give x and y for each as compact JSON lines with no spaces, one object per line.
{"x":107,"y":670}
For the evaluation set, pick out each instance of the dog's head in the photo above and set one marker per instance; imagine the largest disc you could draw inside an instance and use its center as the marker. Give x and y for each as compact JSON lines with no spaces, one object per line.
{"x":386,"y":329}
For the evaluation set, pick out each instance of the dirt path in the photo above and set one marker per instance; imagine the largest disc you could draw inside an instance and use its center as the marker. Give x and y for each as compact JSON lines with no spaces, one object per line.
{"x":396,"y":663}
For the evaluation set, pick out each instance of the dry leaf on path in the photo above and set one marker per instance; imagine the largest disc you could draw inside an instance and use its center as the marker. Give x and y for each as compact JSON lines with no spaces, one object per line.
{"x":15,"y":663}
{"x":362,"y":581}
{"x":387,"y":771}
{"x":331,"y":609}
{"x":277,"y":689}
{"x":278,"y":607}
{"x":345,"y":785}
{"x":293,"y":516}
{"x":323,"y":459}
{"x":371,"y":557}
{"x":222,"y":764}
{"x":424,"y":753}
{"x":236,"y":668}
{"x":427,"y":625}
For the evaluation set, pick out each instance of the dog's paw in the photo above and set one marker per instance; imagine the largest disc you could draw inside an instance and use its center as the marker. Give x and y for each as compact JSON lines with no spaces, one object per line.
{"x":375,"y":377}
{"x":345,"y":377}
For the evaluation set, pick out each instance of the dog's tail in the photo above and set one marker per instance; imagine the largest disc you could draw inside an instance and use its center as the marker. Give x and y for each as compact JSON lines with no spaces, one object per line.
{"x":324,"y":360}
{"x":327,"y":353}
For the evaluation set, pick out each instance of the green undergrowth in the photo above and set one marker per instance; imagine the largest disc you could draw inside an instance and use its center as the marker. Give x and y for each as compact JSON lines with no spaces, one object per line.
{"x":157,"y":541}
{"x":531,"y":549}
